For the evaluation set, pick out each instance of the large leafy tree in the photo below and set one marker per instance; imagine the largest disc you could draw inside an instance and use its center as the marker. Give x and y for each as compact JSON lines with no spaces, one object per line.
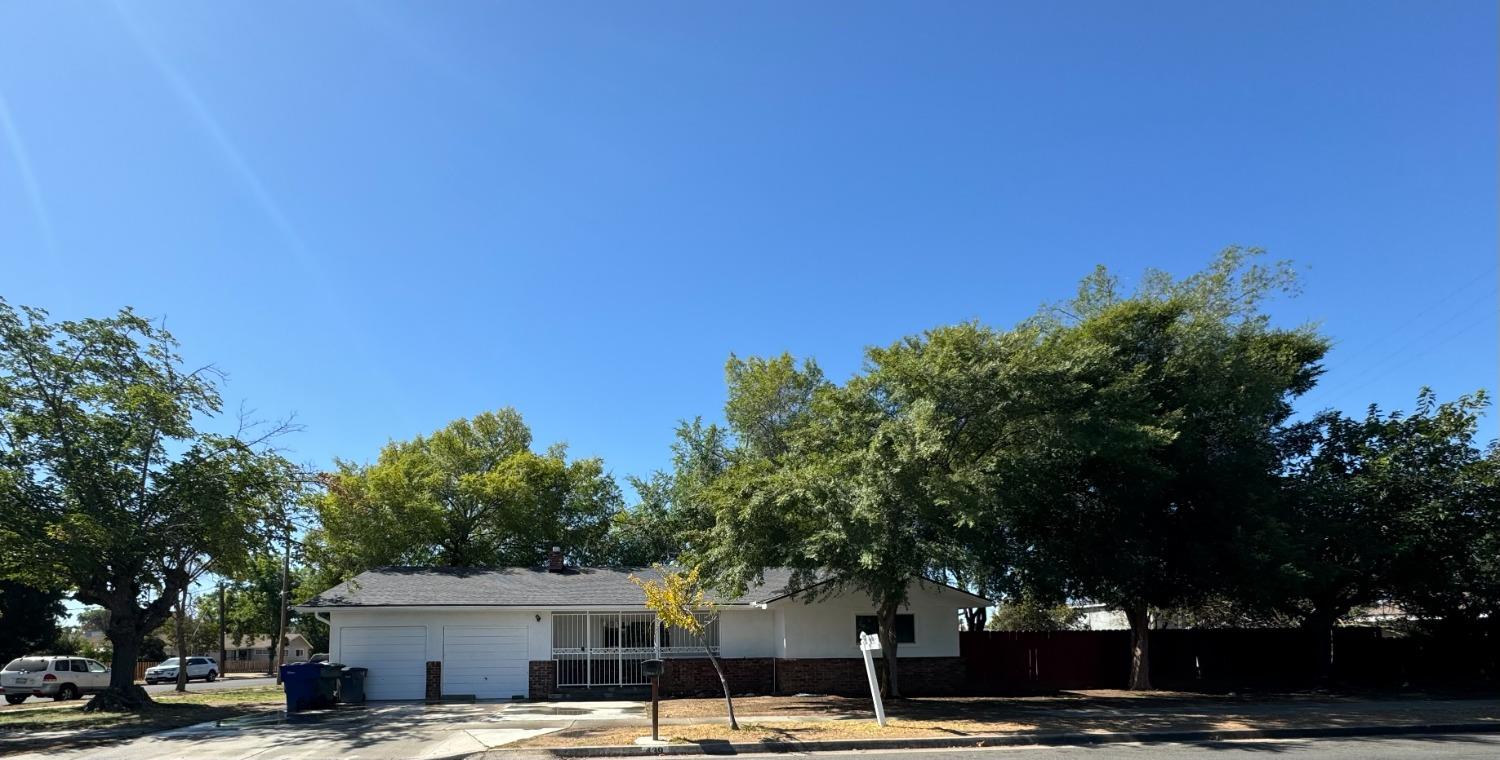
{"x":472,"y":494}
{"x":1391,"y":507}
{"x":859,"y":487}
{"x":109,"y":489}
{"x":1149,"y":466}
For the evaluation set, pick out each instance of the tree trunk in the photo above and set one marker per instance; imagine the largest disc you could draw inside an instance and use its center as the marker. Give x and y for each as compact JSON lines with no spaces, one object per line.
{"x":974,"y":618}
{"x":1319,"y":625}
{"x":887,"y":633}
{"x":125,"y":639}
{"x":728,"y":700}
{"x":1140,"y":646}
{"x":182,"y":653}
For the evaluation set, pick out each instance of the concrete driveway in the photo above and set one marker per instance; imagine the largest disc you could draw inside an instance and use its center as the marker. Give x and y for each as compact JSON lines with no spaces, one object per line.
{"x":375,"y":732}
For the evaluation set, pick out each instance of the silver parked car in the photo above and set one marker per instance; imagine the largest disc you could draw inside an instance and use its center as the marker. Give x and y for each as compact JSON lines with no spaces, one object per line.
{"x":52,"y":676}
{"x":198,"y":667}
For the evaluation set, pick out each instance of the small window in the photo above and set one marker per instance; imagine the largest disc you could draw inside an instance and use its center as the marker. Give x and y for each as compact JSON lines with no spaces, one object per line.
{"x":95,"y":667}
{"x":906,"y":627}
{"x":195,"y":661}
{"x":79,"y":666}
{"x":297,"y":653}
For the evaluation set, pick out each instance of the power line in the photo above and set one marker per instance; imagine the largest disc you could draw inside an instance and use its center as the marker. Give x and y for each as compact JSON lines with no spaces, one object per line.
{"x":1484,"y":275}
{"x":1364,"y":381}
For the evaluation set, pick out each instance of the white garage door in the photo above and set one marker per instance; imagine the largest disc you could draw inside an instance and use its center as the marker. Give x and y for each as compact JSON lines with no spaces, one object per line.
{"x":489,"y":663}
{"x":395,"y":655}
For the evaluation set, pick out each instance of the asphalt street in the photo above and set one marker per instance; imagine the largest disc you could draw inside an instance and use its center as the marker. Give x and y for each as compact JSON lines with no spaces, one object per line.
{"x":1435,"y":747}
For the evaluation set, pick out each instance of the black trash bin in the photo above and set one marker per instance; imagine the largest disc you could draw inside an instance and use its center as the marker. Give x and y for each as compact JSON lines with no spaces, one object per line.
{"x":352,"y":685}
{"x":328,"y":683}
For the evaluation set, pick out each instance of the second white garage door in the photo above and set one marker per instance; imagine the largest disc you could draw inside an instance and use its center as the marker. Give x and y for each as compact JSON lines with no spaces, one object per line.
{"x":489,"y":663}
{"x":395,"y":655}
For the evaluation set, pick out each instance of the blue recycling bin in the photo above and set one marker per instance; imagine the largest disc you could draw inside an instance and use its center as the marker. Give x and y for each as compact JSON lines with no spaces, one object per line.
{"x":300,"y":683}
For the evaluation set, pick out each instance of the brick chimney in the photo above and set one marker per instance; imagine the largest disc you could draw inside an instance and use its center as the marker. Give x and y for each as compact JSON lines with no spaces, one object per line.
{"x":555,"y":560}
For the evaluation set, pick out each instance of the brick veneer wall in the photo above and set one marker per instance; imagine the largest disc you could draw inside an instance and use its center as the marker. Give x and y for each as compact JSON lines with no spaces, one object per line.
{"x":920,"y":676}
{"x":696,"y":676}
{"x":434,"y":681}
{"x":542,"y":679}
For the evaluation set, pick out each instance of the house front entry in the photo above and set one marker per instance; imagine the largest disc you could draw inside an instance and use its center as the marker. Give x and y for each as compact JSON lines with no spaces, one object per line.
{"x":594,"y":649}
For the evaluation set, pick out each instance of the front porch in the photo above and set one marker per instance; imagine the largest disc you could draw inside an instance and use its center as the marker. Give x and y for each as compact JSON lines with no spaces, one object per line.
{"x":603,"y":650}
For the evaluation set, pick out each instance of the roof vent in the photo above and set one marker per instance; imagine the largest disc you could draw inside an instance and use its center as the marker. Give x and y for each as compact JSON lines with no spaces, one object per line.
{"x":555,"y":560}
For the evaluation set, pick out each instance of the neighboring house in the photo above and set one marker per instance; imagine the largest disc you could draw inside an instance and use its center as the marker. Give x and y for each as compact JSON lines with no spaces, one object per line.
{"x":536,"y":632}
{"x":257,"y":648}
{"x":1100,"y":617}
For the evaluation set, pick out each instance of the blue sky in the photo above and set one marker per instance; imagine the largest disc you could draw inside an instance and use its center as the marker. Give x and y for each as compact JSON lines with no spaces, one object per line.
{"x":384,"y":216}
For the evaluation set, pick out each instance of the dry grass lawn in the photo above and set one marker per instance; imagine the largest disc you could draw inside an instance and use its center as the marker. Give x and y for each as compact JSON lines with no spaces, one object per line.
{"x":811,"y":718}
{"x":171,"y":711}
{"x":779,"y":731}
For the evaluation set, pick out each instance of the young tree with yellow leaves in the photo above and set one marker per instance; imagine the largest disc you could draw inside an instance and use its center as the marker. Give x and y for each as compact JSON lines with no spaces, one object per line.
{"x":678,"y":599}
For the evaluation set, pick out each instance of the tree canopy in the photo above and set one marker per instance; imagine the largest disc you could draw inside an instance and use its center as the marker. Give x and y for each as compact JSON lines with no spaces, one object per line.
{"x":110,"y":487}
{"x":1391,"y":507}
{"x":472,"y":494}
{"x":1157,"y":449}
{"x":1114,"y":448}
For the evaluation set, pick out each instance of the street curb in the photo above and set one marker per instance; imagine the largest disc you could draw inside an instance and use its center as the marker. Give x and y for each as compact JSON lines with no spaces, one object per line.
{"x":1010,"y":740}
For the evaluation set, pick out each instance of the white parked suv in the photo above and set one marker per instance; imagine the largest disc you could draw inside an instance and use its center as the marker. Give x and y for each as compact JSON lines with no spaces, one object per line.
{"x":52,"y":676}
{"x":198,"y":667}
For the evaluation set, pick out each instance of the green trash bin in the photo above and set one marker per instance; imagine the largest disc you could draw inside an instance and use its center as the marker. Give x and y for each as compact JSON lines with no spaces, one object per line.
{"x":352,"y":685}
{"x":328,"y":683}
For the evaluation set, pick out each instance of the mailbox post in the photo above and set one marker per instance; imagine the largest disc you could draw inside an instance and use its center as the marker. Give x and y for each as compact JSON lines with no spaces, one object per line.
{"x":653,"y":669}
{"x":868,"y":645}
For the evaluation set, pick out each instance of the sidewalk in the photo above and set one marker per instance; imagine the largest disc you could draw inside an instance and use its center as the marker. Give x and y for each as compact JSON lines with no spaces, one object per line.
{"x":1000,"y":722}
{"x":516,"y":730}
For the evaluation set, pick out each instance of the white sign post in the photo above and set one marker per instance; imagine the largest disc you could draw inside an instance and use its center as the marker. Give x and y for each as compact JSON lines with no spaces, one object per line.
{"x":868,"y":645}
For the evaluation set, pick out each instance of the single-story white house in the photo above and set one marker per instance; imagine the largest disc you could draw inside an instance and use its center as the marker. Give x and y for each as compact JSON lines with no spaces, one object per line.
{"x":427,"y":632}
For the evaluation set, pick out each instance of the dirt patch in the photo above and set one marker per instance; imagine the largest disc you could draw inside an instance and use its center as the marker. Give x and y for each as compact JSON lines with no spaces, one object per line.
{"x":779,"y":731}
{"x":812,"y":705}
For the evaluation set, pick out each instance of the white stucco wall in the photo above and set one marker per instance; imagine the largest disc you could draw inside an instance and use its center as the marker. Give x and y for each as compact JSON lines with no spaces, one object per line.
{"x":825,"y":628}
{"x":746,"y":633}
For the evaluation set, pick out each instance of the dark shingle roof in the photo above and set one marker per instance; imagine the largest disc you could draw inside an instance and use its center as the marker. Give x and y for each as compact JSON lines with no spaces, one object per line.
{"x":513,"y":587}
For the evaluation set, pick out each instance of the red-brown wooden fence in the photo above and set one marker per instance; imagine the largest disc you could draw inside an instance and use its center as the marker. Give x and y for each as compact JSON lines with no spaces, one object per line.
{"x":1009,"y":662}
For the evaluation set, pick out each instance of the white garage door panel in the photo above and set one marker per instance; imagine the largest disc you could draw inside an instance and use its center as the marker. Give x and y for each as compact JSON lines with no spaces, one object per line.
{"x":395,"y":655}
{"x":490,"y":663}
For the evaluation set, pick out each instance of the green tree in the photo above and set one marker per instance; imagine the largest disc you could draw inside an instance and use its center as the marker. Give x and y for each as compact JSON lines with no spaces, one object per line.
{"x":1147,"y":460}
{"x":1029,"y":614}
{"x":108,"y":488}
{"x":673,"y":513}
{"x":1391,"y":507}
{"x":472,"y":494}
{"x":28,"y":619}
{"x":860,"y":487}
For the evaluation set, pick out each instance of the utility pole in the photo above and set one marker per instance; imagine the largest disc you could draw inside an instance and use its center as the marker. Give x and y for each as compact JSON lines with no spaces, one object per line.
{"x":286,"y":564}
{"x":222,"y":653}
